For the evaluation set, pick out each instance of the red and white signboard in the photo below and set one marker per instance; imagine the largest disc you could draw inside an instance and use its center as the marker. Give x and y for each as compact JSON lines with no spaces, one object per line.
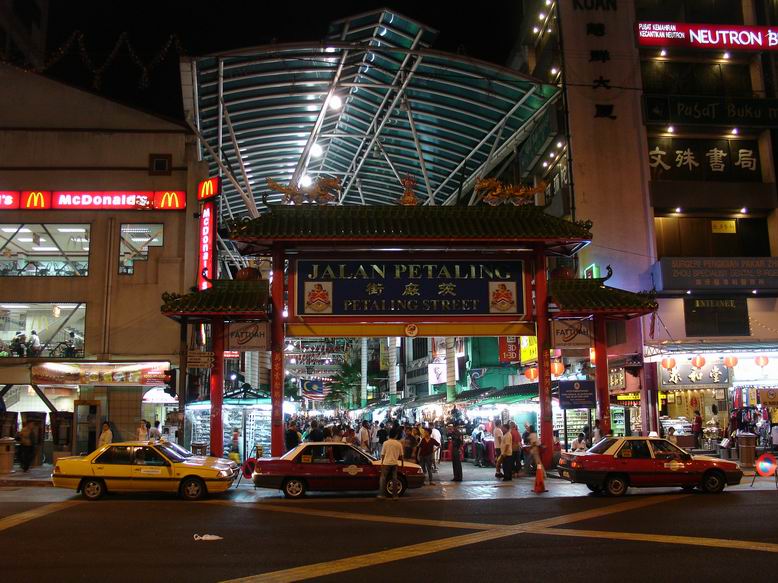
{"x":209,"y":188}
{"x":205,"y":251}
{"x":162,"y":200}
{"x":707,"y":36}
{"x":509,"y":348}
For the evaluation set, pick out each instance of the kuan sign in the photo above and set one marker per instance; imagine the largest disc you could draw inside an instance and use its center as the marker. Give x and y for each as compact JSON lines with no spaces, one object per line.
{"x":410,"y":289}
{"x":247,"y":336}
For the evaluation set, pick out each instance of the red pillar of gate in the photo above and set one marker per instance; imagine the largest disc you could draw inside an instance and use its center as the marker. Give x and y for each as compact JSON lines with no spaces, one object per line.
{"x":217,"y":387}
{"x":601,"y":375}
{"x":277,"y":354}
{"x":544,"y":358}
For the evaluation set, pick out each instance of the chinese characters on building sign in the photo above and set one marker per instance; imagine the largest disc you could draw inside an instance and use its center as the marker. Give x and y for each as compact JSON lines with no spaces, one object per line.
{"x":392,"y":288}
{"x":720,"y":160}
{"x":687,"y":376}
{"x":707,"y":36}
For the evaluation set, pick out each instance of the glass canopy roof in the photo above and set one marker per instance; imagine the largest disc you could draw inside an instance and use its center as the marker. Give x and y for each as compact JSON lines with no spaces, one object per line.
{"x":405,"y":110}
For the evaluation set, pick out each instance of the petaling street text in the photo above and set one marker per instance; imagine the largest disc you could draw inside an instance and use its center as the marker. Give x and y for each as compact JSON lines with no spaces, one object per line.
{"x":327,"y":271}
{"x":456,"y":305}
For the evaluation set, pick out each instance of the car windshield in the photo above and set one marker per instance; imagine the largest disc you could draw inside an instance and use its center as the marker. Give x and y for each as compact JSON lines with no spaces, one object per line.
{"x":602,"y":446}
{"x":178,"y":449}
{"x":171,"y":453}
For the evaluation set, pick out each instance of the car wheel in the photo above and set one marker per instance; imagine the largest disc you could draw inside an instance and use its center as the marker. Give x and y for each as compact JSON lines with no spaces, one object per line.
{"x":192,"y":489}
{"x":92,"y":489}
{"x":596,"y":488}
{"x":294,"y":488}
{"x":395,"y":487}
{"x":616,"y":485}
{"x":713,"y":482}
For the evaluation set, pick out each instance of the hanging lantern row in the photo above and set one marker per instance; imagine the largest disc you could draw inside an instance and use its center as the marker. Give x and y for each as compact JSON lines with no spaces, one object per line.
{"x":761,"y":361}
{"x":557,"y":368}
{"x":668,"y":363}
{"x":698,"y":361}
{"x":531,"y":373}
{"x":730,"y":361}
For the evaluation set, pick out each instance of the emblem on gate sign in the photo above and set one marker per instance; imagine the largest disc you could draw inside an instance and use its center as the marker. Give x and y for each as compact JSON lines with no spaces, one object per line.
{"x":411,"y":330}
{"x":318,"y":297}
{"x":502,"y":297}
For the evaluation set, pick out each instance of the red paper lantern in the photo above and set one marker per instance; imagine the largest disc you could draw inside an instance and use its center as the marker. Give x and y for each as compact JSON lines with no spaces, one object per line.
{"x":730,"y":361}
{"x":557,"y":368}
{"x":761,"y":361}
{"x":698,"y":362}
{"x":668,"y":363}
{"x":531,"y":373}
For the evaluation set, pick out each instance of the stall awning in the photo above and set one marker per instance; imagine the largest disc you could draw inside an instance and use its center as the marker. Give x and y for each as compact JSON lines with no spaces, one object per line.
{"x":247,"y":300}
{"x":588,"y":297}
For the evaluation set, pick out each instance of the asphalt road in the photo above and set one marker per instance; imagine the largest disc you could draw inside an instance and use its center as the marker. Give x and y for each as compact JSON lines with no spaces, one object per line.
{"x":450,"y":532}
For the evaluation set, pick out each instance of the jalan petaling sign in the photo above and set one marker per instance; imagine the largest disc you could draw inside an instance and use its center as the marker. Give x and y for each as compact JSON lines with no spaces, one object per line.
{"x":409,"y":290}
{"x":707,"y":36}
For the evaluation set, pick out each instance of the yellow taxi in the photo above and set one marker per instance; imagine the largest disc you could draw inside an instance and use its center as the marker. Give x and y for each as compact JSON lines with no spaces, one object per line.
{"x":139,"y":466}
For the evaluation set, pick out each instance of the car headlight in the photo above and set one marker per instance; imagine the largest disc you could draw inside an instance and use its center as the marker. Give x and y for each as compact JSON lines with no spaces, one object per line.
{"x":223,"y":474}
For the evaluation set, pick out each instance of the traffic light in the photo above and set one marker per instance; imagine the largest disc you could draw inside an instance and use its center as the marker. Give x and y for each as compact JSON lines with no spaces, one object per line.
{"x":170,"y":381}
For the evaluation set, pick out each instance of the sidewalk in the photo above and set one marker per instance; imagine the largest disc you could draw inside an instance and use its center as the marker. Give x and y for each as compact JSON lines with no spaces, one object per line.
{"x":37,"y":476}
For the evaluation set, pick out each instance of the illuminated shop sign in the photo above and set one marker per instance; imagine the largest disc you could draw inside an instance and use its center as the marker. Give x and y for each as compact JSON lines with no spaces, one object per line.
{"x":161,"y":200}
{"x":721,"y":160}
{"x":377,"y":288}
{"x":205,"y":248}
{"x":707,"y":36}
{"x":209,"y":188}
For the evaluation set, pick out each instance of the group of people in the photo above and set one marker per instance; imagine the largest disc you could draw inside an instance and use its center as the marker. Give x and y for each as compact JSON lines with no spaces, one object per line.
{"x":23,"y":345}
{"x":148,"y":433}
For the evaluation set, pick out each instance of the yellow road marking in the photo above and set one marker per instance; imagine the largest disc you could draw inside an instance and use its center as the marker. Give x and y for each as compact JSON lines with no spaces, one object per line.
{"x":435,"y":546}
{"x":27,"y":516}
{"x":718,"y":543}
{"x":370,"y":517}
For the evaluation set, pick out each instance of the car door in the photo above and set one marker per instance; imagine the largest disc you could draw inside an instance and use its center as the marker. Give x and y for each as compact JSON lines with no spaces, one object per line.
{"x":114,"y":466}
{"x":314,"y":465}
{"x":674,"y":467}
{"x":151,"y":471}
{"x":353,"y":469}
{"x":635,"y":459}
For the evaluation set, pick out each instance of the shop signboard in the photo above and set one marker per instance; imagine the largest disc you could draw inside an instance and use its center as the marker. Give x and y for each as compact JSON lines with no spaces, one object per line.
{"x":719,"y":111}
{"x":384,"y":290}
{"x":716,"y":317}
{"x":245,"y":336}
{"x":160,"y":200}
{"x":509,"y":348}
{"x":768,"y":397}
{"x":577,"y":395}
{"x":209,"y":188}
{"x":685,"y":376}
{"x":437,"y":373}
{"x":617,"y":379}
{"x":104,"y":374}
{"x":528,"y":349}
{"x":707,"y":36}
{"x":721,"y":160}
{"x":571,"y":333}
{"x":206,"y":252}
{"x":197,"y":359}
{"x":716,"y":273}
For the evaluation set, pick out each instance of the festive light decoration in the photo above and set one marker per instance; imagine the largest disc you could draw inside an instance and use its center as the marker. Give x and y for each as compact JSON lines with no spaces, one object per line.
{"x":323,"y":191}
{"x":557,"y":368}
{"x":698,"y":361}
{"x":761,"y":361}
{"x":494,"y":192}
{"x":668,"y":363}
{"x":408,"y":198}
{"x":531,"y":373}
{"x":730,"y":361}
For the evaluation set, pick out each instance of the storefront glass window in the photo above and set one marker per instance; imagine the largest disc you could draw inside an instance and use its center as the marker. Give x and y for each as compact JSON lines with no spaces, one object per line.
{"x":43,"y":330}
{"x":135,"y":240}
{"x":44,"y":250}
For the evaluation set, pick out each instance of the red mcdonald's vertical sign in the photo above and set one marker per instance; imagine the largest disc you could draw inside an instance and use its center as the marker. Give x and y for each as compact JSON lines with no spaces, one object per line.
{"x":205,"y":250}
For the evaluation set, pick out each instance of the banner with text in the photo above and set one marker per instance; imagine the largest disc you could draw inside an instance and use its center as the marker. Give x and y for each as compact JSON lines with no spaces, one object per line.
{"x":707,"y":36}
{"x":727,"y":160}
{"x":577,"y":395}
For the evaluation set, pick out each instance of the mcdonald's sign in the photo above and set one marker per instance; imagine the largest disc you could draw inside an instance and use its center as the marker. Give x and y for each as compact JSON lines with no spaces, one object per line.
{"x":36,"y":199}
{"x":206,"y":256}
{"x":170,"y":200}
{"x":209,"y":188}
{"x":9,"y":199}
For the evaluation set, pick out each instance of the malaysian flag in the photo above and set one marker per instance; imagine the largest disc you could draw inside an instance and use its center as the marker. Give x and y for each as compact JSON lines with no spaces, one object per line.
{"x":315,"y":390}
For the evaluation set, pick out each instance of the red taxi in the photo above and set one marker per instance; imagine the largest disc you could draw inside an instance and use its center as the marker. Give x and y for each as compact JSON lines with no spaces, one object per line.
{"x":330,"y":466}
{"x":617,"y":463}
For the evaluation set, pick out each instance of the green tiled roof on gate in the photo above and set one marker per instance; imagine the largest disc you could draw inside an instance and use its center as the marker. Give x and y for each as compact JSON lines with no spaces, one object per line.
{"x":506,"y":223}
{"x":584,"y":297}
{"x":240,"y":298}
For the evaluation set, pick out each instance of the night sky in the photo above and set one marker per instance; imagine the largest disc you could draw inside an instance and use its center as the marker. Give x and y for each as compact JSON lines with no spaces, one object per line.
{"x":205,"y":27}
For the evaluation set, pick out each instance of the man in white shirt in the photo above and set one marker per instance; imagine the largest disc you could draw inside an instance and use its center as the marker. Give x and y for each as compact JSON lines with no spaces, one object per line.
{"x":436,"y":436}
{"x":364,"y":436}
{"x":497,"y":449}
{"x":580,"y":443}
{"x":506,"y":449}
{"x":391,"y":455}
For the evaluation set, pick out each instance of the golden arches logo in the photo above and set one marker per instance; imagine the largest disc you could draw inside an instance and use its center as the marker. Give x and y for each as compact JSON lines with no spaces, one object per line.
{"x":170,"y":200}
{"x":35,"y":200}
{"x":208,"y":188}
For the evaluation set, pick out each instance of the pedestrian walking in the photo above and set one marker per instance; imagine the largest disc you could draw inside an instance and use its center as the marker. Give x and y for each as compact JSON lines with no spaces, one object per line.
{"x":436,"y":437}
{"x":106,"y":437}
{"x":374,"y":438}
{"x":364,"y":436}
{"x":154,"y":432}
{"x":697,"y":429}
{"x":427,"y":447}
{"x":291,"y":437}
{"x":27,"y":440}
{"x":391,"y":456}
{"x":315,"y":434}
{"x":142,"y":431}
{"x":596,"y":432}
{"x":497,"y":449}
{"x":506,"y":446}
{"x":383,"y":435}
{"x":456,"y":452}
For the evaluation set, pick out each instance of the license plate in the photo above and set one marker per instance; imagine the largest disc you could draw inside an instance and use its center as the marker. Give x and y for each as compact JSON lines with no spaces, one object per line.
{"x":565,"y":474}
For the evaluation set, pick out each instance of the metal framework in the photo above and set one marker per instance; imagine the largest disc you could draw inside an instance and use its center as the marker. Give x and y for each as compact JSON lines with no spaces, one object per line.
{"x":443,"y":119}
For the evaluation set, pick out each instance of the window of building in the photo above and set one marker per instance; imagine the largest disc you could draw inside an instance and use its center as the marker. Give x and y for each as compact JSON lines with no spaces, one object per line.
{"x":44,"y":250}
{"x":42,"y":330}
{"x":135,"y":242}
{"x":420,"y":348}
{"x":711,"y":237}
{"x":697,"y":11}
{"x":716,"y":317}
{"x":676,"y":78}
